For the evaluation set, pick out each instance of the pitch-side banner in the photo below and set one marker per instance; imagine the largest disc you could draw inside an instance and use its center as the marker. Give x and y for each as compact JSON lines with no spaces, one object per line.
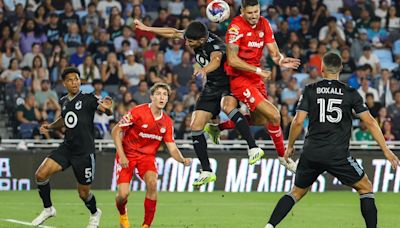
{"x":234,"y":174}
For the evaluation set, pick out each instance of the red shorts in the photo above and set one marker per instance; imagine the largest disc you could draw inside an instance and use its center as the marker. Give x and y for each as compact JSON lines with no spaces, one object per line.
{"x":142,"y":165}
{"x":248,"y":92}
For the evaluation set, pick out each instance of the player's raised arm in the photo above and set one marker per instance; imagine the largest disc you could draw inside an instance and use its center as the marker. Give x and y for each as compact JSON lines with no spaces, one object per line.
{"x":57,"y":124}
{"x":215,"y":62}
{"x":176,"y":154}
{"x":376,"y":132}
{"x":281,"y":60}
{"x":167,"y":32}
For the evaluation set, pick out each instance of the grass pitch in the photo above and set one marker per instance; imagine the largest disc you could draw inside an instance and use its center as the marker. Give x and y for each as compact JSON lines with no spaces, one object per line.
{"x":202,"y":210}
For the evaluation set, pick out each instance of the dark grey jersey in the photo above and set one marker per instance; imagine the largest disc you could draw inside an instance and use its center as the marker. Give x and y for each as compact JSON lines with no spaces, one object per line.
{"x":78,"y":115}
{"x":203,"y":54}
{"x":330,"y":105}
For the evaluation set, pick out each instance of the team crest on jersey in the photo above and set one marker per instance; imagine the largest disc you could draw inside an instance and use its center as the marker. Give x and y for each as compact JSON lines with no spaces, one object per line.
{"x":163,"y":130}
{"x":64,"y":107}
{"x":261,"y":34}
{"x":248,"y":34}
{"x":145,"y":125}
{"x":234,"y":30}
{"x":78,"y":105}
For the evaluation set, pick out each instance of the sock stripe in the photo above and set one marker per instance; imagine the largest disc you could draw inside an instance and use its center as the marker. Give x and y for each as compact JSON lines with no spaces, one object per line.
{"x":42,"y":182}
{"x":370,"y":195}
{"x":292,"y":196}
{"x":232,"y":113}
{"x":197,"y":133}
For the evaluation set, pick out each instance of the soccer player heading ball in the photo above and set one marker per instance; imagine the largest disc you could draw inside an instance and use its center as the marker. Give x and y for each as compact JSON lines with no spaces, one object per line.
{"x":78,"y":148}
{"x":144,"y":127}
{"x":329,"y":105}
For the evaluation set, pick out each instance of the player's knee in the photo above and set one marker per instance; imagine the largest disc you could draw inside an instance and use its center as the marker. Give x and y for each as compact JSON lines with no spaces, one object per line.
{"x":83,"y":193}
{"x":151,"y":186}
{"x":195,"y":126}
{"x":298,"y":193}
{"x":40,"y":175}
{"x":365,"y":187}
{"x":275,"y":118}
{"x":122,"y":195}
{"x":228,"y":106}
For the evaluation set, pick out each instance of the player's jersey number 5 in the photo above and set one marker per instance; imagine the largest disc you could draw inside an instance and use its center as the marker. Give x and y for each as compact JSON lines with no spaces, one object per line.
{"x":326,"y":111}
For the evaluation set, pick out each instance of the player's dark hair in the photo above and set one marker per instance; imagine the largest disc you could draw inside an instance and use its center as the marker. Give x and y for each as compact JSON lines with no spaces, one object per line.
{"x":196,"y":30}
{"x":246,"y":3}
{"x":160,"y":85}
{"x":70,"y":70}
{"x":332,"y":63}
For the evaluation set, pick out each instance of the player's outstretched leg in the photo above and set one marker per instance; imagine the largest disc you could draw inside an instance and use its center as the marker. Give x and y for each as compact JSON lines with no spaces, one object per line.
{"x":42,"y":175}
{"x":120,"y":201}
{"x":367,"y":202}
{"x":199,"y":120}
{"x":284,"y":205}
{"x":213,"y":131}
{"x":90,"y":202}
{"x":150,"y":202}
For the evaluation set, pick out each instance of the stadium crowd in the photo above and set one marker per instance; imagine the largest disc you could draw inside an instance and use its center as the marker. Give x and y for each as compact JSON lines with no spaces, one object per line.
{"x":39,"y":39}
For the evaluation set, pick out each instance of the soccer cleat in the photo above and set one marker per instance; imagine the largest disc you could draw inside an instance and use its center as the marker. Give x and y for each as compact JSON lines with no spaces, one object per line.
{"x":291,"y":165}
{"x":204,"y":178}
{"x":124,"y":221}
{"x":269,"y":226}
{"x":44,"y":215}
{"x":213,"y":131}
{"x":145,"y":226}
{"x":94,"y":219}
{"x":255,"y":154}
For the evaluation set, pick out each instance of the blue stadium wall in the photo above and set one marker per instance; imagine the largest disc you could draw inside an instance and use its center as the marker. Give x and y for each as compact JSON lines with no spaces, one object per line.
{"x":234,"y":174}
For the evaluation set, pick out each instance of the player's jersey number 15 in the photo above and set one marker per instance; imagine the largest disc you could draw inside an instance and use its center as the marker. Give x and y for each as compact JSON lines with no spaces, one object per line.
{"x":326,"y":111}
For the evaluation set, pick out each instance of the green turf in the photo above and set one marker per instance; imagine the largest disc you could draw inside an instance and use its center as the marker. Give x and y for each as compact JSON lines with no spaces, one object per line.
{"x":208,"y":210}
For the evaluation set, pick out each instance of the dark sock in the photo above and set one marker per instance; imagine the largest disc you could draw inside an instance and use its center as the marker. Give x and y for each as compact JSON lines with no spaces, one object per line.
{"x":90,"y":203}
{"x":200,"y":147}
{"x":44,"y":192}
{"x":368,"y":209}
{"x":243,"y":127}
{"x":283,"y":207}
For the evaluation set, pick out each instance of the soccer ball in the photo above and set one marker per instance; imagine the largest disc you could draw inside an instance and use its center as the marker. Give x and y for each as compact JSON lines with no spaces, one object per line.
{"x":217,"y":11}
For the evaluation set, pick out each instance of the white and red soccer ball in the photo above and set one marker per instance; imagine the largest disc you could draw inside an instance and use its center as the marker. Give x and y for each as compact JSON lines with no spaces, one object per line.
{"x":217,"y":11}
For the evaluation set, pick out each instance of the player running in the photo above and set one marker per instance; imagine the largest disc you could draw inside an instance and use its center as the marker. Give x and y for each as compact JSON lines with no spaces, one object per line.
{"x":78,"y":148}
{"x":329,"y":105}
{"x":144,"y":127}
{"x":210,"y":54}
{"x":246,"y":38}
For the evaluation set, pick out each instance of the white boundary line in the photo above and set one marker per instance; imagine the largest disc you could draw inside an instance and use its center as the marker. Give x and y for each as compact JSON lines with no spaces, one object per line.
{"x":24,"y":223}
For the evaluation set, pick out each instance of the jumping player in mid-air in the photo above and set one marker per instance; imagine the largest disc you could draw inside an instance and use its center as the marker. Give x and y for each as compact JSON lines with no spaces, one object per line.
{"x":210,"y":54}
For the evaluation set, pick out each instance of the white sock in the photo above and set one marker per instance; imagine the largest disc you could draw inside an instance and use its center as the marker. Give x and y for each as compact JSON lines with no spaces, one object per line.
{"x":269,"y":226}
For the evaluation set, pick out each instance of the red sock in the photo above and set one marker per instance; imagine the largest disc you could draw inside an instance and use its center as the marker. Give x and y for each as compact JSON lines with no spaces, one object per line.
{"x":275,"y":132}
{"x":121,"y":206}
{"x":229,"y":124}
{"x":149,"y":210}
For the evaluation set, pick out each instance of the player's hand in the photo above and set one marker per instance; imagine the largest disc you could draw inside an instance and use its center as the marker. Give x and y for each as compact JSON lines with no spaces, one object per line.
{"x":140,"y":25}
{"x":106,"y":102}
{"x":288,"y":153}
{"x":44,"y":129}
{"x":265,"y":74}
{"x":291,"y":63}
{"x":200,"y":73}
{"x":187,"y":161}
{"x":123,"y":161}
{"x":392,"y":158}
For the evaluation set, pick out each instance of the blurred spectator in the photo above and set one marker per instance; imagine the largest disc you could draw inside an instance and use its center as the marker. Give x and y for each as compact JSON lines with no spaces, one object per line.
{"x":372,"y":105}
{"x":102,"y":45}
{"x":394,"y":114}
{"x":316,"y":59}
{"x":29,"y":35}
{"x":382,"y":116}
{"x":89,"y":71}
{"x":178,"y":114}
{"x":9,"y":50}
{"x":164,"y":19}
{"x":68,"y":17}
{"x":28,"y":116}
{"x":39,"y":73}
{"x":150,"y":55}
{"x":350,"y":32}
{"x":92,"y":20}
{"x":102,"y":125}
{"x":115,"y":28}
{"x":126,"y":35}
{"x":392,"y":21}
{"x":53,"y":30}
{"x":189,"y":100}
{"x":366,"y":88}
{"x":184,"y":131}
{"x":387,"y":131}
{"x":376,"y":34}
{"x":332,"y":32}
{"x":382,"y":85}
{"x":11,"y":73}
{"x":359,"y":7}
{"x":72,"y":39}
{"x":362,"y":134}
{"x":50,"y":110}
{"x":79,"y":56}
{"x":15,"y":94}
{"x":104,"y":7}
{"x":99,"y":91}
{"x":133,"y":71}
{"x":286,"y":120}
{"x":316,"y":12}
{"x":28,"y":57}
{"x":313,"y":76}
{"x":282,"y":37}
{"x":294,"y":18}
{"x":112,"y":73}
{"x":348,"y":63}
{"x":382,"y":9}
{"x":358,"y":44}
{"x":173,"y":56}
{"x":369,"y":58}
{"x":41,"y":15}
{"x":6,"y":32}
{"x":45,"y":93}
{"x":291,"y":94}
{"x":183,"y":72}
{"x":142,"y":95}
{"x":175,"y":7}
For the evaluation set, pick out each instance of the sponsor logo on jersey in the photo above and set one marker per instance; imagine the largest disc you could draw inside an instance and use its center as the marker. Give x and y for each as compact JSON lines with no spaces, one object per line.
{"x":78,"y":105}
{"x":233,"y":30}
{"x":145,"y":125}
{"x":150,"y":136}
{"x":248,"y":34}
{"x":255,"y":44}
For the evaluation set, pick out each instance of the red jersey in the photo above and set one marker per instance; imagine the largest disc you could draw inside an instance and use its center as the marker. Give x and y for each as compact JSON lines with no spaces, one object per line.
{"x":143,"y":133}
{"x":251,"y":42}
